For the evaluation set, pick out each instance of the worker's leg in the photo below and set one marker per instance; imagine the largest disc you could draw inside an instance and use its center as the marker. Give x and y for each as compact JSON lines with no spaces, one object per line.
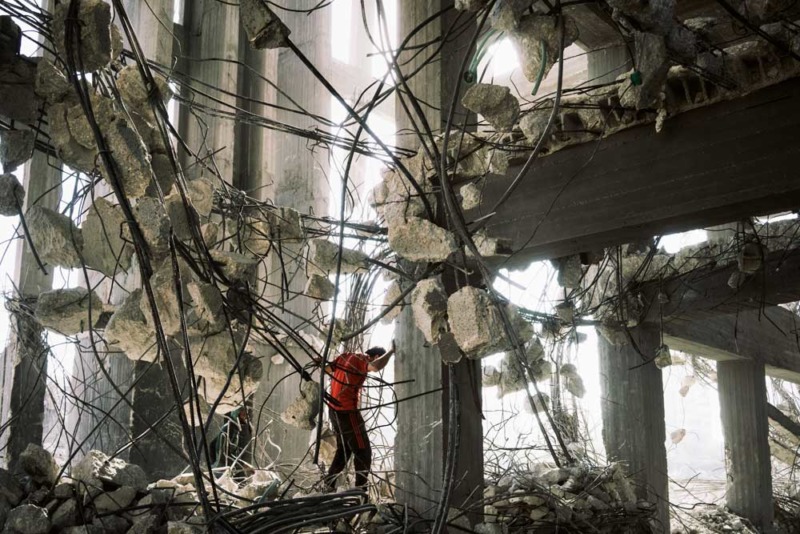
{"x":342,"y":451}
{"x":361,"y":449}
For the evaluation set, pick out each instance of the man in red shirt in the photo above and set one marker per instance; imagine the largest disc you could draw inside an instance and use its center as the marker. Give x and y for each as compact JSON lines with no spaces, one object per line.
{"x":348,"y":372}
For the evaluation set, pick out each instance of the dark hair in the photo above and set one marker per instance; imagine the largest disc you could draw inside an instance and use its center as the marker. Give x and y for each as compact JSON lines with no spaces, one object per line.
{"x":376,"y":351}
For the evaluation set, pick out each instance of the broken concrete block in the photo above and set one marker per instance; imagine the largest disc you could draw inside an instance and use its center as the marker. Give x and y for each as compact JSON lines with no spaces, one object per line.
{"x":131,"y":157}
{"x":69,"y":150}
{"x":16,"y":147}
{"x":663,"y":357}
{"x":566,"y":312}
{"x":323,"y":258}
{"x":65,"y":516}
{"x":67,"y":310}
{"x":264,"y":28}
{"x":477,"y":325}
{"x":104,"y":248}
{"x":10,"y":38}
{"x":96,"y":41}
{"x":302,"y":412}
{"x":27,"y":519}
{"x":750,"y":257}
{"x":652,"y":64}
{"x":421,"y":240}
{"x":12,"y":195}
{"x":56,"y":238}
{"x":656,"y":16}
{"x":168,"y":305}
{"x":97,"y":466}
{"x":429,"y":305}
{"x":570,"y":271}
{"x":178,"y":215}
{"x":471,"y":195}
{"x":397,"y":198}
{"x":320,"y":287}
{"x":392,"y":294}
{"x":495,"y":102}
{"x":235,"y":266}
{"x":470,"y":5}
{"x":541,"y":402}
{"x":39,"y":464}
{"x":17,"y":99}
{"x":490,"y":247}
{"x":572,"y":380}
{"x":51,"y":83}
{"x":505,"y":14}
{"x":151,"y":216}
{"x":209,"y":304}
{"x":201,"y":192}
{"x":538,"y":39}
{"x":128,"y":330}
{"x":682,"y":43}
{"x":133,"y":91}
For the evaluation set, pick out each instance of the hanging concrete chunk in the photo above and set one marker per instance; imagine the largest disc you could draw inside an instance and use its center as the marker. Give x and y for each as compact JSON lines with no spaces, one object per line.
{"x":264,"y":28}
{"x":168,"y":305}
{"x":51,"y":84}
{"x":489,"y":247}
{"x":392,"y":294}
{"x":69,"y":150}
{"x":421,"y":240}
{"x":478,"y":326}
{"x":208,"y":302}
{"x":652,"y":64}
{"x":320,"y":287}
{"x":17,"y":100}
{"x":154,"y":224}
{"x":56,"y":239}
{"x":471,"y":196}
{"x":570,"y":271}
{"x":572,"y":380}
{"x":302,"y":412}
{"x":12,"y":195}
{"x":235,"y":266}
{"x":539,"y":40}
{"x":495,"y":102}
{"x":429,"y":304}
{"x":104,"y":248}
{"x":97,"y":46}
{"x":131,"y":157}
{"x":505,"y":14}
{"x":128,"y":330}
{"x":97,"y":466}
{"x":654,"y":15}
{"x":67,"y":310}
{"x":16,"y":147}
{"x":323,"y":258}
{"x":39,"y":464}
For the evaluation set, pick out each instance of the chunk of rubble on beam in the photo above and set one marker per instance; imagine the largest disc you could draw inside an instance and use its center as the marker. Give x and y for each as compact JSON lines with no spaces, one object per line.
{"x":319,"y":287}
{"x":392,"y":294}
{"x":570,"y":271}
{"x":128,"y":331}
{"x":495,"y":102}
{"x":302,"y":412}
{"x":264,"y":28}
{"x":208,"y":302}
{"x":491,"y":247}
{"x":420,"y":240}
{"x":652,"y":68}
{"x":429,"y":305}
{"x":477,"y":324}
{"x":236,"y":267}
{"x":99,"y":42}
{"x":323,"y":258}
{"x":168,"y":305}
{"x":17,"y":99}
{"x":67,"y":311}
{"x":16,"y":147}
{"x":104,"y":248}
{"x":538,"y":39}
{"x":55,"y":237}
{"x":12,"y":195}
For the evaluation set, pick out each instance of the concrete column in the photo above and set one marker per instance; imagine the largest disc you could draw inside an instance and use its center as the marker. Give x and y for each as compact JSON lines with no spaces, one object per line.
{"x":743,"y":408}
{"x":633,"y":416}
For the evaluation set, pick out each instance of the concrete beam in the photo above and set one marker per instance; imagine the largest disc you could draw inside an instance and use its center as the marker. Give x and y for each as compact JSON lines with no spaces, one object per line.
{"x":708,"y":166}
{"x":768,"y":336}
{"x":632,"y":403}
{"x":743,"y":408}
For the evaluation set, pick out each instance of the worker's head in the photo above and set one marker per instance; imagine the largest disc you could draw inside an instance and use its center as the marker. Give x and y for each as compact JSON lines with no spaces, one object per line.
{"x":376,"y":352}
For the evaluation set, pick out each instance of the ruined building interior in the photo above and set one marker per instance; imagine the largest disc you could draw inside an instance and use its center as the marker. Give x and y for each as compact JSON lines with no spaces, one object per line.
{"x":575,"y":220}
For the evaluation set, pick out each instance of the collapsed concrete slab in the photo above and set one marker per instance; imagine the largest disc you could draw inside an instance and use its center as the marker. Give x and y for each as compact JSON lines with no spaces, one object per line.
{"x":104,"y":248}
{"x":12,"y":195}
{"x":302,"y":412}
{"x":128,"y":330}
{"x":99,"y":42}
{"x":320,"y":287}
{"x":420,"y":240}
{"x":477,"y":325}
{"x":68,"y":311}
{"x":55,"y":237}
{"x":495,"y":102}
{"x":16,"y":147}
{"x":264,"y":28}
{"x":323,"y":258}
{"x":429,"y":305}
{"x":17,"y":99}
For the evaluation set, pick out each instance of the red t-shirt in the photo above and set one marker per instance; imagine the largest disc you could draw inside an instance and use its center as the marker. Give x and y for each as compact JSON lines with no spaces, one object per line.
{"x":349,"y":372}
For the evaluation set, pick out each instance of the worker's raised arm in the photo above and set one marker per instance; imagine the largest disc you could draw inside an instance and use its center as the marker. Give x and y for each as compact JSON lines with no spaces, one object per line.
{"x":379,"y":363}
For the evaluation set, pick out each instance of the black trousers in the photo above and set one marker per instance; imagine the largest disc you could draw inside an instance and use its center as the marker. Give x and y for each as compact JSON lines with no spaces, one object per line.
{"x":351,"y":440}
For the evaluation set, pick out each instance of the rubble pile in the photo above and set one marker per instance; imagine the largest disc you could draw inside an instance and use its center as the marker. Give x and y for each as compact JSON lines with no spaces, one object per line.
{"x":108,"y":495}
{"x":579,"y":498}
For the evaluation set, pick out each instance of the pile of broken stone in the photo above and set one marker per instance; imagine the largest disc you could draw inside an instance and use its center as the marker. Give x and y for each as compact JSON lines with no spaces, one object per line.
{"x":597,"y":499}
{"x":108,"y":495}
